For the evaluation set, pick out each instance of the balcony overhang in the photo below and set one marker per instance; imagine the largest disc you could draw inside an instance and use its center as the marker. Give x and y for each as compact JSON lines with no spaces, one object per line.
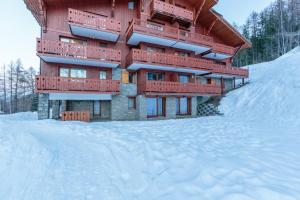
{"x":77,"y":61}
{"x":136,"y":66}
{"x":217,"y":56}
{"x":79,"y":96}
{"x":89,"y":32}
{"x":136,"y":38}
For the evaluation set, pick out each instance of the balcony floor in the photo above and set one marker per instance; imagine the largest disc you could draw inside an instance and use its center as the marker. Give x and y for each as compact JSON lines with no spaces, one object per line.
{"x":90,"y":32}
{"x":77,"y":61}
{"x":137,"y":38}
{"x":137,"y":66}
{"x":217,"y":56}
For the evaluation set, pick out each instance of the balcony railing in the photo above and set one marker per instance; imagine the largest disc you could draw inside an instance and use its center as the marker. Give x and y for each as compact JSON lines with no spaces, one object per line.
{"x":137,"y":55}
{"x":177,"y":87}
{"x":66,"y":49}
{"x":76,"y":116}
{"x":221,"y":48}
{"x":47,"y":84}
{"x":168,"y":32}
{"x":168,"y":9}
{"x":95,"y":21}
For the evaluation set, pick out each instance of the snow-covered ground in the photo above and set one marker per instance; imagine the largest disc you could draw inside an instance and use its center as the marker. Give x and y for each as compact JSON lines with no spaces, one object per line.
{"x":252,"y":152}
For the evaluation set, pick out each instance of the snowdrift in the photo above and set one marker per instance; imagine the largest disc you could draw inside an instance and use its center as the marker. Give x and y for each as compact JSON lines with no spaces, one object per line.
{"x":252,"y":153}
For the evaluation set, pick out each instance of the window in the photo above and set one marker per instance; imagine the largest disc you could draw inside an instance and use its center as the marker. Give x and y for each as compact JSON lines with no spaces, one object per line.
{"x":73,"y":73}
{"x":73,"y":40}
{"x":182,"y":106}
{"x":155,"y":26}
{"x":184,"y":78}
{"x":132,"y":77}
{"x":102,"y":75}
{"x":155,"y":107}
{"x":155,"y":49}
{"x":64,"y":72}
{"x":131,"y":103}
{"x":103,"y":45}
{"x":184,"y":54}
{"x":131,"y":5}
{"x":155,"y":76}
{"x":78,"y":73}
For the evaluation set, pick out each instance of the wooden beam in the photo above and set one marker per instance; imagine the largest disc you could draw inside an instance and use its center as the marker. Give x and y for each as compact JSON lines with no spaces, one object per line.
{"x":211,"y":26}
{"x":199,"y":11}
{"x":143,"y":5}
{"x":113,"y":4}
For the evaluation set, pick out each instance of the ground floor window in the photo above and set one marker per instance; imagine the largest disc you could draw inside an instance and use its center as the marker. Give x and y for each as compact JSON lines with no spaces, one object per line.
{"x":155,"y":106}
{"x":183,"y":106}
{"x":131,"y":103}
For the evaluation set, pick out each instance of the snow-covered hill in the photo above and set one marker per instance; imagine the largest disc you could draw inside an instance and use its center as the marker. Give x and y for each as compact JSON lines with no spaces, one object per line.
{"x":253,"y":152}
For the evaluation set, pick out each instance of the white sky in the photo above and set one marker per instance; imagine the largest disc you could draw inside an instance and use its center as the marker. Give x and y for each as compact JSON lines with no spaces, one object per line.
{"x":19,"y":29}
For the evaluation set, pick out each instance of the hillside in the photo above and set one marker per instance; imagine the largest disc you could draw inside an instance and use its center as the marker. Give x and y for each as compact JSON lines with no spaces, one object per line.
{"x":251,"y":153}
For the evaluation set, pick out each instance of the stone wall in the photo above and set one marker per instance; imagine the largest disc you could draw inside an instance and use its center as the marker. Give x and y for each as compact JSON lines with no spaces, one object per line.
{"x":43,"y":107}
{"x":141,"y":107}
{"x":119,"y":103}
{"x":80,"y":106}
{"x":194,"y":105}
{"x":171,"y":107}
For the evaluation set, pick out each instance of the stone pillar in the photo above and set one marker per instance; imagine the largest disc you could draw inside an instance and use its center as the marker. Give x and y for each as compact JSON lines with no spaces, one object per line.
{"x":194,"y":106}
{"x":55,"y":109}
{"x":43,"y":107}
{"x":141,"y":107}
{"x":171,"y":107}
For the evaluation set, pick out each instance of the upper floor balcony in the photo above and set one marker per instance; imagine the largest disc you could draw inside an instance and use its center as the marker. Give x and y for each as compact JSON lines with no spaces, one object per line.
{"x":221,"y":52}
{"x":172,"y":12}
{"x":167,"y":87}
{"x":47,"y":84}
{"x":76,"y":54}
{"x":148,"y":32}
{"x":94,"y":26}
{"x":139,"y":59}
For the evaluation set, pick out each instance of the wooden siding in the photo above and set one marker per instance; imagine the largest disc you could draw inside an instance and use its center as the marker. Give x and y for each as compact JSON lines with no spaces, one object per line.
{"x":76,"y":116}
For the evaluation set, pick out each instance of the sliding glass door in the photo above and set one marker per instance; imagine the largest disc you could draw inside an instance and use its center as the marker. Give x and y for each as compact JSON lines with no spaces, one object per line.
{"x":155,"y":107}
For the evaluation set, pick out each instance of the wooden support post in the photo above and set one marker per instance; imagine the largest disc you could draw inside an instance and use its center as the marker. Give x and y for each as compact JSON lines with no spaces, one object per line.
{"x":113,"y":4}
{"x":222,"y":85}
{"x":211,"y":26}
{"x":243,"y":81}
{"x":233,"y":82}
{"x":198,"y":12}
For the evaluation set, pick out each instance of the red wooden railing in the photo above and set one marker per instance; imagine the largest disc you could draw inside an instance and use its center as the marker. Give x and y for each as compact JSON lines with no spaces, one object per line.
{"x":177,"y":87}
{"x":221,"y":48}
{"x":168,"y":32}
{"x":76,"y":116}
{"x":77,"y":50}
{"x":60,"y":84}
{"x":93,"y":20}
{"x":171,"y":10}
{"x":137,"y":55}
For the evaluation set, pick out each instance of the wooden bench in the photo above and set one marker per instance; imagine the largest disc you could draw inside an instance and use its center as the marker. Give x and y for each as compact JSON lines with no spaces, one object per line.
{"x":76,"y":116}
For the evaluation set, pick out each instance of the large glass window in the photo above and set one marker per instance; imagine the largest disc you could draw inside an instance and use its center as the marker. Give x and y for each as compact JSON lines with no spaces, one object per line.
{"x":155,"y":107}
{"x":73,"y":73}
{"x":102,"y":75}
{"x":184,"y":78}
{"x":155,"y":76}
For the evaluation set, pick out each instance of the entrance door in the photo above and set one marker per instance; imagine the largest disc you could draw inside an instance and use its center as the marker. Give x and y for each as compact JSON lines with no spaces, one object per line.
{"x":97,"y":108}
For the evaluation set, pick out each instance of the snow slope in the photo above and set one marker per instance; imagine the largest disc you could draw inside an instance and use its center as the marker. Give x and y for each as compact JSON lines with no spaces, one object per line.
{"x":253,"y":152}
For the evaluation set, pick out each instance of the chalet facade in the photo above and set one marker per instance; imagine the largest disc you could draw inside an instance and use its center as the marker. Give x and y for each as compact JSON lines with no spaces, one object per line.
{"x":132,"y":59}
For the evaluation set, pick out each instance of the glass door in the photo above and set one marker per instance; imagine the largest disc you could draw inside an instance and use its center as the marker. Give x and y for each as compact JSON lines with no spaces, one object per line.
{"x":97,"y":108}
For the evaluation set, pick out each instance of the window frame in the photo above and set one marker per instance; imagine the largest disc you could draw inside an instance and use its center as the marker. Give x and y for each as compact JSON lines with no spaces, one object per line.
{"x":133,"y":107}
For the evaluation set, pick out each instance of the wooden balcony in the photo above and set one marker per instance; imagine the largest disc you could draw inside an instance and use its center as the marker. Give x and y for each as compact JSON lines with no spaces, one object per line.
{"x":139,"y":59}
{"x":167,"y":87}
{"x":69,"y":53}
{"x":46,"y":84}
{"x":94,"y":26}
{"x":141,"y":31}
{"x":76,"y":116}
{"x":166,"y":10}
{"x":221,"y":52}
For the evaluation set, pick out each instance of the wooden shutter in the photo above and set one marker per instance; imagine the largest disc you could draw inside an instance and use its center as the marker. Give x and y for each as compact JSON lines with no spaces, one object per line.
{"x":125,"y":77}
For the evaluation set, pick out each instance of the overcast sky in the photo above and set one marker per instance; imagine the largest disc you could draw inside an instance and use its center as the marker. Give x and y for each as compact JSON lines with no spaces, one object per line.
{"x":19,"y":29}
